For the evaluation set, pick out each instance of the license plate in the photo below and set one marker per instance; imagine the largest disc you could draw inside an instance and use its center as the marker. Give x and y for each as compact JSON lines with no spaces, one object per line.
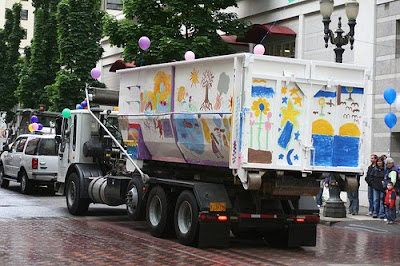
{"x":217,"y":206}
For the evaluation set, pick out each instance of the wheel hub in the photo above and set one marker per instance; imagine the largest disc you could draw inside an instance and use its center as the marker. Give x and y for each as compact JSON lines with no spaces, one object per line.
{"x":155,"y":210}
{"x":71,"y":193}
{"x":185,"y":217}
{"x":132,"y":199}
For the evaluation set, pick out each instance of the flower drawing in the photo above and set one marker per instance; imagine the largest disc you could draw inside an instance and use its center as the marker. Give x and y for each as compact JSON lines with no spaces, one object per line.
{"x":261,"y":106}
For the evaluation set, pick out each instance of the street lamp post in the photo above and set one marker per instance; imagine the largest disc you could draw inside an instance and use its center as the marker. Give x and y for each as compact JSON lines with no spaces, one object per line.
{"x":326,"y":7}
{"x":334,"y":205}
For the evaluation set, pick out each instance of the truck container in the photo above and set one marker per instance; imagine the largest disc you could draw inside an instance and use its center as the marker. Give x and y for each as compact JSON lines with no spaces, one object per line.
{"x":231,"y":143}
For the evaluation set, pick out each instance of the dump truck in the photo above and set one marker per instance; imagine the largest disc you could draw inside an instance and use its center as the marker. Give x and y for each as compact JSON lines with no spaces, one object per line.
{"x":234,"y":143}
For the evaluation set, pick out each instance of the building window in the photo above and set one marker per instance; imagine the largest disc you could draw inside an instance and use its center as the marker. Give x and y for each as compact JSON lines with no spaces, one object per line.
{"x":25,"y":34}
{"x":397,"y":38}
{"x":24,"y":14}
{"x":285,"y":49}
{"x":114,"y":4}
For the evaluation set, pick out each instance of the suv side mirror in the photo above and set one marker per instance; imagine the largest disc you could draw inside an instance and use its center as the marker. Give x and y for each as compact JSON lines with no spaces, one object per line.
{"x":58,"y":139}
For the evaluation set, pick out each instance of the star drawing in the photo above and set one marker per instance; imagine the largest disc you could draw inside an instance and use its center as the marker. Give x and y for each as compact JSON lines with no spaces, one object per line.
{"x":297,"y":100}
{"x":284,"y":90}
{"x":289,"y":114}
{"x":296,"y":157}
{"x":296,"y":135}
{"x":281,"y":156}
{"x":294,"y":91}
{"x":284,"y":100}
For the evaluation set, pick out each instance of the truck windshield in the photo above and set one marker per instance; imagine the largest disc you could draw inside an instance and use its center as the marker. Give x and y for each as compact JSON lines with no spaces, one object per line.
{"x":112,"y":125}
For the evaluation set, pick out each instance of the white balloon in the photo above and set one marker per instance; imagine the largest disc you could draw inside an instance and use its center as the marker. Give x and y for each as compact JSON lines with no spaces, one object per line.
{"x":397,"y":103}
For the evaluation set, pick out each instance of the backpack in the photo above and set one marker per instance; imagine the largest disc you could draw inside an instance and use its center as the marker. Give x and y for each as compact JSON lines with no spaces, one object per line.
{"x":397,"y":185}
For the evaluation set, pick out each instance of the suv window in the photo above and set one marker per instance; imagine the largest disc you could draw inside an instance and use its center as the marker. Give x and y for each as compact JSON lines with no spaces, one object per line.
{"x":47,"y":147}
{"x":31,"y":147}
{"x":19,"y":144}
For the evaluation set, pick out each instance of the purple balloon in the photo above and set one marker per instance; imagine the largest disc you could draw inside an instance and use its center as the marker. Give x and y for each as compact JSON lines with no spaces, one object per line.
{"x":95,"y":73}
{"x":34,"y":119}
{"x":144,"y":43}
{"x":84,"y":104}
{"x":40,"y":126}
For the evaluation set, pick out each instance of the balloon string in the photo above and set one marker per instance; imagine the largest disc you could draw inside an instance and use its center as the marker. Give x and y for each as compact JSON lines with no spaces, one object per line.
{"x":273,"y":24}
{"x":142,"y":60}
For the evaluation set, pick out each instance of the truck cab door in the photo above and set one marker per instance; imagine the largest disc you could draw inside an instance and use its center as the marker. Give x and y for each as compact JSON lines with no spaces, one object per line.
{"x":63,"y":151}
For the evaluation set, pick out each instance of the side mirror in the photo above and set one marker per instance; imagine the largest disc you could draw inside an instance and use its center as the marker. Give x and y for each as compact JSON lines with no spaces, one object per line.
{"x":58,"y":126}
{"x":5,"y":148}
{"x":58,"y":139}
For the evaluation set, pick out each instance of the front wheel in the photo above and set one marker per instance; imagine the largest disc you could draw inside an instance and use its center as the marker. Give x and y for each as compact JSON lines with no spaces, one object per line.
{"x":4,"y":183}
{"x":134,"y":200}
{"x":186,"y":218}
{"x":75,"y":204}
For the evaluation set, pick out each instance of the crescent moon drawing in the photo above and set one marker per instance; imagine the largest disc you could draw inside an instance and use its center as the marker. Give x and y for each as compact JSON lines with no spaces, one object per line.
{"x":289,"y":161}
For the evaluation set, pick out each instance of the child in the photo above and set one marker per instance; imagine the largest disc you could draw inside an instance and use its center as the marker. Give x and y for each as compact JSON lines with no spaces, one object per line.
{"x":390,"y":202}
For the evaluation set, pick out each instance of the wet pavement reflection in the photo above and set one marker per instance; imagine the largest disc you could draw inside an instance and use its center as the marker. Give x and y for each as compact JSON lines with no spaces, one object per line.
{"x":116,"y":241}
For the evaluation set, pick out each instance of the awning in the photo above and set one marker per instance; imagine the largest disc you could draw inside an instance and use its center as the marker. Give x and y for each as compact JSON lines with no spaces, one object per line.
{"x":257,"y":32}
{"x":120,"y":64}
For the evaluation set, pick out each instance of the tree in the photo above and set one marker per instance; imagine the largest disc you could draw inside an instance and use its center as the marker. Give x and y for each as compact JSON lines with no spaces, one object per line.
{"x":79,"y":34}
{"x":42,"y":65}
{"x":174,"y":26}
{"x":10,"y":39}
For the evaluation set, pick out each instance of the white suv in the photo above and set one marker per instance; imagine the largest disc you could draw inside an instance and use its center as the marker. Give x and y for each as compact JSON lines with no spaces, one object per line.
{"x":31,"y":160}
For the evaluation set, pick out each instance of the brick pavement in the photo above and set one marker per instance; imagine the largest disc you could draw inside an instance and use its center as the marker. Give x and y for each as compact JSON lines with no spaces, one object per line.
{"x":66,"y":241}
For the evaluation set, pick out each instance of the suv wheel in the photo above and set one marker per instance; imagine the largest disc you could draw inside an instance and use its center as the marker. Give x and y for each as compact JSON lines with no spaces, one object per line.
{"x":3,"y":182}
{"x":26,"y":184}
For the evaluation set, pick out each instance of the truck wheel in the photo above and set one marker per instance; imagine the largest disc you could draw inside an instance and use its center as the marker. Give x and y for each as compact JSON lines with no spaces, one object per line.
{"x":186,"y":218}
{"x":134,"y":200}
{"x":4,"y":183}
{"x":159,"y":212}
{"x":26,"y":184}
{"x":76,"y":205}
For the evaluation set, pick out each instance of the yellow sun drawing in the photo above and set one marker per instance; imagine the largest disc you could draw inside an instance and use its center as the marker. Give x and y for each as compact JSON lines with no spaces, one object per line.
{"x":194,"y":77}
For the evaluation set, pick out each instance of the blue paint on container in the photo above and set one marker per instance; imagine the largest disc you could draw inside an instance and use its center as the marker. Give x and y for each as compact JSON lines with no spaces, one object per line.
{"x":132,"y":151}
{"x":323,"y":153}
{"x":345,"y":151}
{"x":326,"y":94}
{"x":261,"y":91}
{"x":286,"y":135}
{"x":190,"y":132}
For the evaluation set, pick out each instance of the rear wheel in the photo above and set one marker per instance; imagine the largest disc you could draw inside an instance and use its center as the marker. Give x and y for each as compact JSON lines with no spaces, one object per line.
{"x":76,"y":205}
{"x":134,"y":200}
{"x":4,"y":183}
{"x":186,"y":218}
{"x":159,"y":213}
{"x":26,"y":184}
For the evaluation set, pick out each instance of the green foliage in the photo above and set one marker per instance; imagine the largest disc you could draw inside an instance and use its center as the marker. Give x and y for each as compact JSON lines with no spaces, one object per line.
{"x":79,"y":34}
{"x":10,"y":39}
{"x":173,"y":26}
{"x":42,"y":64}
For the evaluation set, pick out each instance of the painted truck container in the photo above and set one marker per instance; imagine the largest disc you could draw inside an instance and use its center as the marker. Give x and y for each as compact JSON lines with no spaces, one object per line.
{"x":247,"y":112}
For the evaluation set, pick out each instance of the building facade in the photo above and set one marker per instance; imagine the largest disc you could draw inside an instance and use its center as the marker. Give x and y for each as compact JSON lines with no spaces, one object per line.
{"x":27,"y":18}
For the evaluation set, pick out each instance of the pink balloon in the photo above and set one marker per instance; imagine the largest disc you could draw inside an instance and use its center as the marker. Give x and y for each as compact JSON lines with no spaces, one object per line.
{"x":259,"y":49}
{"x":144,"y":43}
{"x":95,"y":73}
{"x":35,"y":126}
{"x":189,"y":56}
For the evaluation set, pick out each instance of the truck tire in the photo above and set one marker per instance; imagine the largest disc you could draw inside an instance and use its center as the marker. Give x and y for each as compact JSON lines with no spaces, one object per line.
{"x":134,"y":200}
{"x":159,"y":213}
{"x":26,"y":184}
{"x":186,"y":218}
{"x":4,"y":183}
{"x":75,"y":204}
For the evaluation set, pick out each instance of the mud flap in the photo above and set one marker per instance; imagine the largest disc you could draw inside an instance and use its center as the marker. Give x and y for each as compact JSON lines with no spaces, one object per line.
{"x":302,"y":235}
{"x":213,"y":235}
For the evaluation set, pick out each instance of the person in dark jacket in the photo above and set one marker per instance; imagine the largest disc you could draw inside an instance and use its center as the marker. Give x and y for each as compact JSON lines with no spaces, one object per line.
{"x":390,"y":203}
{"x":378,"y":191}
{"x":368,"y":179}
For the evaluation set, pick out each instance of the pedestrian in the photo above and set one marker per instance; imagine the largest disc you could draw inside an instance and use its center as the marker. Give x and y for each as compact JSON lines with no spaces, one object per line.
{"x":390,"y":203}
{"x":378,"y":174}
{"x":390,"y":176}
{"x":354,"y":205}
{"x":368,"y":179}
{"x":323,"y":185}
{"x":384,"y":157}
